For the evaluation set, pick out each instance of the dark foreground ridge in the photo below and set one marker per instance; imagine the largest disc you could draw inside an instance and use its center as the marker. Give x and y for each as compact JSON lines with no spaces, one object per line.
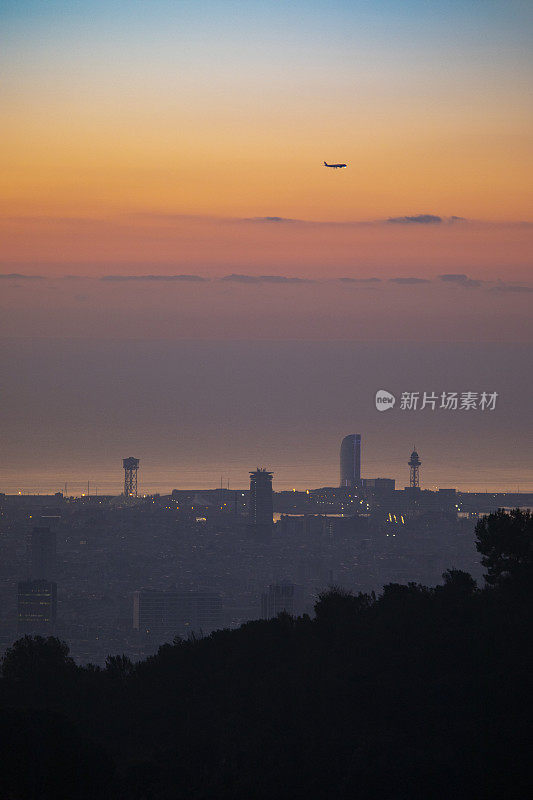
{"x":418,"y":693}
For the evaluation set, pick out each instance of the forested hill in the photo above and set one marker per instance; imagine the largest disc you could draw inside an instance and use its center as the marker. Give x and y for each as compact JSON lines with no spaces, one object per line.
{"x":418,"y":693}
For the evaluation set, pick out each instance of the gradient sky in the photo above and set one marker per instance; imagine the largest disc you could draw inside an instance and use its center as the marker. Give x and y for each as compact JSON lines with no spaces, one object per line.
{"x":229,"y":108}
{"x":120,"y":117}
{"x":147,"y":141}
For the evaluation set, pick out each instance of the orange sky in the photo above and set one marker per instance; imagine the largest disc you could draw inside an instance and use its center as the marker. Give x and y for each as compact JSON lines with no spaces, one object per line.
{"x":229,"y":110}
{"x":64,"y":160}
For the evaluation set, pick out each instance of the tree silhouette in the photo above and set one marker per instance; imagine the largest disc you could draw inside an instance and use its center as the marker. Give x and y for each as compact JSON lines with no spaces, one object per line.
{"x":337,"y":604}
{"x":505,"y":541}
{"x":45,"y":757}
{"x":458,"y":583}
{"x":118,"y":666}
{"x":35,"y":657}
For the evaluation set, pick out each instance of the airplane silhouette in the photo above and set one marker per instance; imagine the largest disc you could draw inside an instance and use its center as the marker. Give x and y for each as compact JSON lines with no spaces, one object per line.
{"x":335,"y":166}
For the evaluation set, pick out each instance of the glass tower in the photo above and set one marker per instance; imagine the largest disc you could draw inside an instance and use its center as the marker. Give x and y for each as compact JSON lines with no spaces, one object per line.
{"x":350,"y":474}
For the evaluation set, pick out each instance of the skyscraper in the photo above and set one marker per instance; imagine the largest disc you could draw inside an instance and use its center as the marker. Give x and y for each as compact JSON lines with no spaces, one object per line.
{"x":350,"y":461}
{"x":165,"y":614}
{"x":36,"y":606}
{"x":261,"y":509}
{"x":284,"y":596}
{"x":43,"y":554}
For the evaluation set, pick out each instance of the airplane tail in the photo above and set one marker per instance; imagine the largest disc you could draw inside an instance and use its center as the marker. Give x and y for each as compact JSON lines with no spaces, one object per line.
{"x":325,"y":163}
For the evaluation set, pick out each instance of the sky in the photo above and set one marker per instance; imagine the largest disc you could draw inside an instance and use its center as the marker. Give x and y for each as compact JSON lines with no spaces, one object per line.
{"x":162,"y":181}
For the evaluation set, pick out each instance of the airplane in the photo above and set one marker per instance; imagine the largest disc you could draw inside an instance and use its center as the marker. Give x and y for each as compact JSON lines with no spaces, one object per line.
{"x":335,"y":166}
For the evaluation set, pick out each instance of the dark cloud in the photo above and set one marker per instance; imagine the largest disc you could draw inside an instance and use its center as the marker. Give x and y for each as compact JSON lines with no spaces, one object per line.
{"x":359,"y":280}
{"x":422,"y":219}
{"x":270,"y":219}
{"x":234,"y":278}
{"x":460,"y":279}
{"x":409,"y":281}
{"x":120,"y":278}
{"x":18,"y":276}
{"x":33,"y":220}
{"x":509,"y":287}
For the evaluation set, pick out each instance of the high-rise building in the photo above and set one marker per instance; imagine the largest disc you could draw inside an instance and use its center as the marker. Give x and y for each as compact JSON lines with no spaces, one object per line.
{"x":284,"y":596}
{"x":167,"y":614}
{"x":42,"y":554}
{"x":260,"y":511}
{"x":350,"y":461}
{"x":37,"y":606}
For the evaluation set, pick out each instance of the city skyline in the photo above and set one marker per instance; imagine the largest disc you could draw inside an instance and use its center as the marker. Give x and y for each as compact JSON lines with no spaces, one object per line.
{"x":190,"y":411}
{"x":266,"y":487}
{"x":234,"y":480}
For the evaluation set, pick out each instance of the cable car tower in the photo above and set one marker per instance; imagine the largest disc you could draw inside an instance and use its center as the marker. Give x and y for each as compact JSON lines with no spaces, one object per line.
{"x":414,"y":467}
{"x":131,"y":465}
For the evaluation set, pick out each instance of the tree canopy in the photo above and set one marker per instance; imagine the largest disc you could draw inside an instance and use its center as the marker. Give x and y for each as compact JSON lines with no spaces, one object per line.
{"x":505,"y":541}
